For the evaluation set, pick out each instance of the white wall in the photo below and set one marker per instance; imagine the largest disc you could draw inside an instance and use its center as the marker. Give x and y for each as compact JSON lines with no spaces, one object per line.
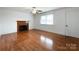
{"x":59,"y":22}
{"x":9,"y":18}
{"x":0,"y":29}
{"x":0,"y":21}
{"x":62,"y":16}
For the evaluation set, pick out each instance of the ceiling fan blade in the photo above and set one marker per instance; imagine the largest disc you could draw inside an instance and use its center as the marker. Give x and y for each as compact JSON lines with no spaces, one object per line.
{"x":39,"y":11}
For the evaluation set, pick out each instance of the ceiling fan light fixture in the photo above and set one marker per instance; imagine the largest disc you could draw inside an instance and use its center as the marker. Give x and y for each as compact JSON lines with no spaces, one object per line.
{"x":34,"y":10}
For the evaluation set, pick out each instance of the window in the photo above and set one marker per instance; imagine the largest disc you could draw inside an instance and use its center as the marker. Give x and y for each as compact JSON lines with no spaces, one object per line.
{"x":47,"y":19}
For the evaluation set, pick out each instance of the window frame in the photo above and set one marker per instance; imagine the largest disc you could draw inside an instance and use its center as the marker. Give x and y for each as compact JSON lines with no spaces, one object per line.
{"x":47,"y":19}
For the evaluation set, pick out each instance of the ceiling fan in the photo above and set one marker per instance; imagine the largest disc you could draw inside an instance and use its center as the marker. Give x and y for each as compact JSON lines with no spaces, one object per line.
{"x":36,"y":11}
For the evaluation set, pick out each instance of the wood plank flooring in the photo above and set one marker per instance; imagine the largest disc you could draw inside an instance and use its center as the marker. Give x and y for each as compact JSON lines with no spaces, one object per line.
{"x":36,"y":40}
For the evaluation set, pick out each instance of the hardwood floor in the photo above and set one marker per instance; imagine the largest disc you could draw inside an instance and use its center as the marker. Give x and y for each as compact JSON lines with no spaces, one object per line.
{"x":36,"y":40}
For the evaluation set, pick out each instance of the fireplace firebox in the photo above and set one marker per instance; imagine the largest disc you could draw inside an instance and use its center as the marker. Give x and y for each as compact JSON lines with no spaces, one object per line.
{"x":22,"y":26}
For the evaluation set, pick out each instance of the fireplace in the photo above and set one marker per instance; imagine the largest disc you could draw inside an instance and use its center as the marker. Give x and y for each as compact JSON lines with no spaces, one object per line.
{"x":22,"y":26}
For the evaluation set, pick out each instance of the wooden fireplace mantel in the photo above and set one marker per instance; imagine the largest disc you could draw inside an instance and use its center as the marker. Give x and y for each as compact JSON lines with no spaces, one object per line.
{"x":20,"y":23}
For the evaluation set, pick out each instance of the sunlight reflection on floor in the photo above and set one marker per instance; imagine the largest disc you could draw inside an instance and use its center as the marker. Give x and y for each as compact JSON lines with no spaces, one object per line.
{"x":46,"y":41}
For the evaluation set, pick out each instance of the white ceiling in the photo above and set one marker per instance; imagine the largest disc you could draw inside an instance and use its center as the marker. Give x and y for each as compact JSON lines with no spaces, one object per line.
{"x":29,"y":9}
{"x":44,"y":9}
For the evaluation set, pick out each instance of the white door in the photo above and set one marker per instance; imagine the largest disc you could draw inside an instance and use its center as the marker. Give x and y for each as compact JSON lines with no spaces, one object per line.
{"x":72,"y":22}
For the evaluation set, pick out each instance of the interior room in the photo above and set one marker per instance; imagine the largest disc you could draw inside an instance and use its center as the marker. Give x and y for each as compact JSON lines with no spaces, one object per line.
{"x":39,"y":28}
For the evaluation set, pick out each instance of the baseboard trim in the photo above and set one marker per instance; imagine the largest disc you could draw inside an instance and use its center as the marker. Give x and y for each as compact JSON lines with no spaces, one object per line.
{"x":56,"y":33}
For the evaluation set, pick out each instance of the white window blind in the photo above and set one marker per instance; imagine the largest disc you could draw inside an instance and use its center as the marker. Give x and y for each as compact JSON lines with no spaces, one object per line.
{"x":47,"y":19}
